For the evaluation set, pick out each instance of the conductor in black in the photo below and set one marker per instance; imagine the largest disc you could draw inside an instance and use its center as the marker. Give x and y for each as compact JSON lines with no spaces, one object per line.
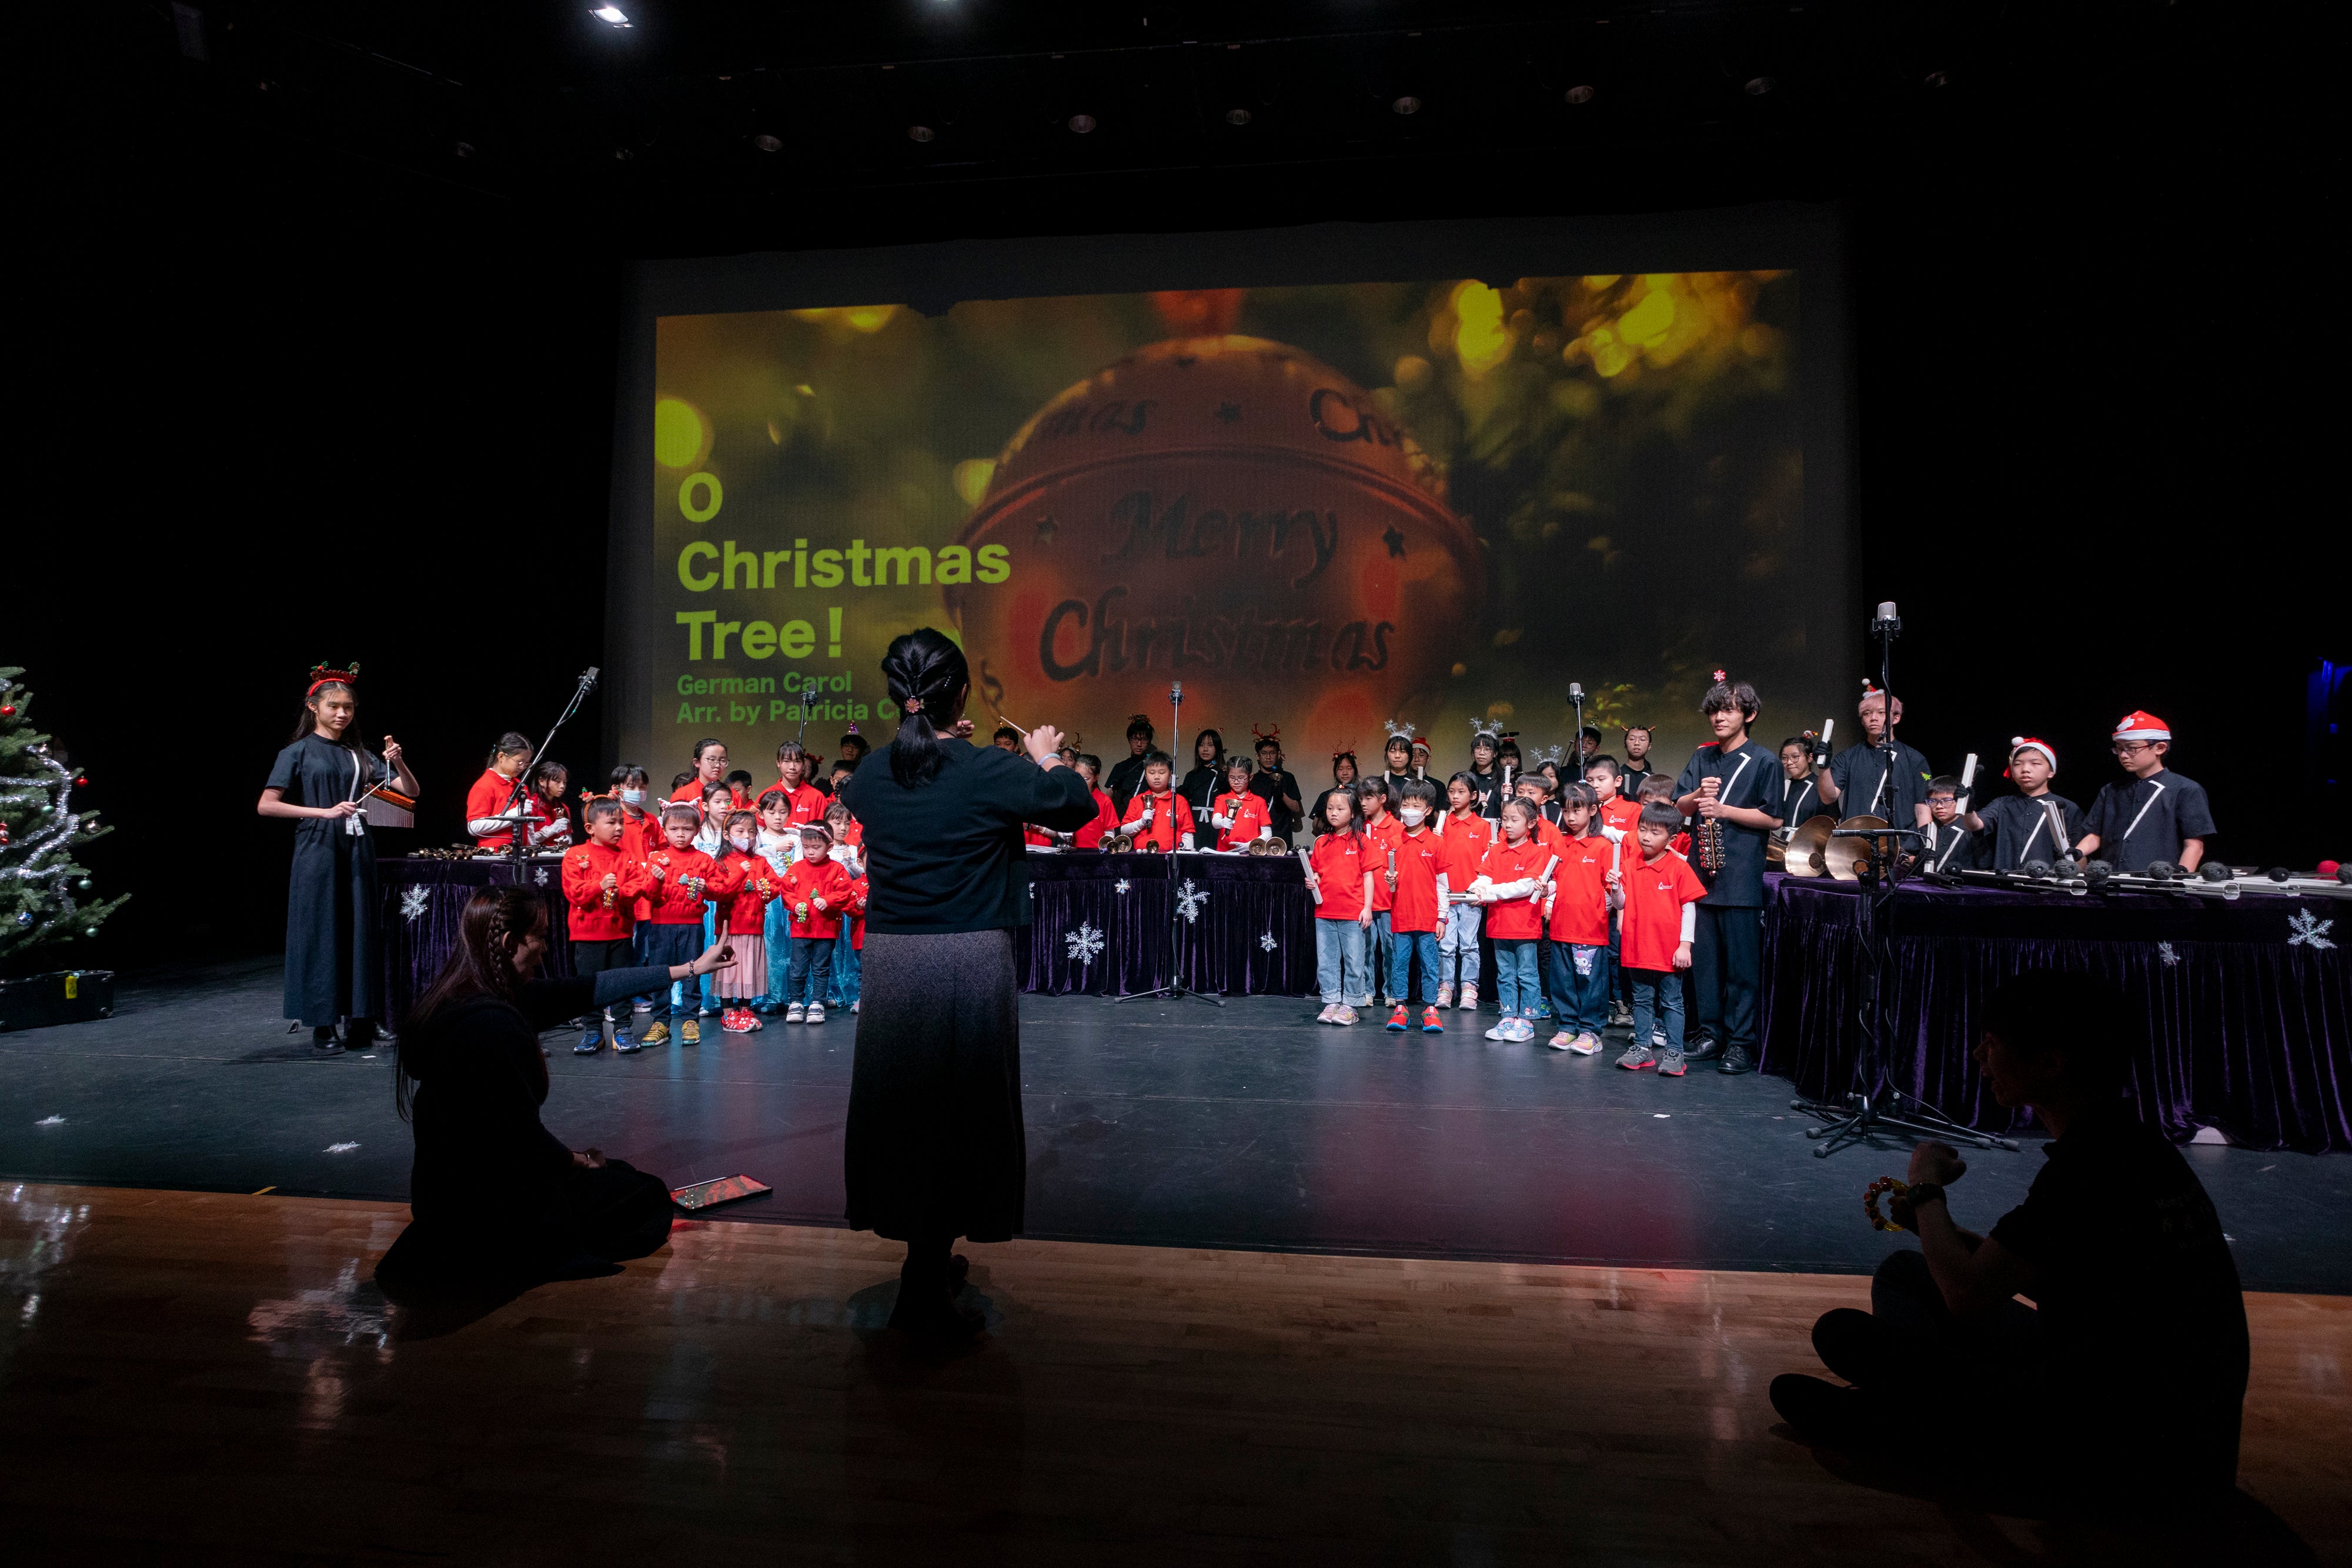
{"x":1726,"y":789}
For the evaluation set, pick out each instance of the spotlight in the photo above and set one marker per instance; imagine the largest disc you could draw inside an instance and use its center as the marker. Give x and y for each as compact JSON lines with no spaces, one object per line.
{"x":1237,"y":117}
{"x":1081,"y":123}
{"x":766,"y":143}
{"x":1579,"y":95}
{"x":612,"y":14}
{"x":919,"y":133}
{"x":1407,"y":105}
{"x":1758,"y":86}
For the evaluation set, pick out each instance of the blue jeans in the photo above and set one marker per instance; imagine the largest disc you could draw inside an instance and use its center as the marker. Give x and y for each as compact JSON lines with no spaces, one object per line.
{"x":1376,"y":950}
{"x":1459,"y":935}
{"x":1579,"y":986}
{"x":846,"y":967}
{"x":1651,"y":990}
{"x":1339,"y":962}
{"x":812,"y":958}
{"x":1407,"y":948}
{"x":1516,"y":985}
{"x":671,"y":944}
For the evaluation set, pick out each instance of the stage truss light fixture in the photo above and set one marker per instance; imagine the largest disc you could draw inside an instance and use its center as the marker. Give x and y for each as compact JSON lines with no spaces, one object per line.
{"x":612,"y":15}
{"x":1758,"y":86}
{"x":1081,"y":124}
{"x":919,"y":133}
{"x":1237,"y":117}
{"x":1580,"y":94}
{"x":1407,"y":105}
{"x":766,"y":143}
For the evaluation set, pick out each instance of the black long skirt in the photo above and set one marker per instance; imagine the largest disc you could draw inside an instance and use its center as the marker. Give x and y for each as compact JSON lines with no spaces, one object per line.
{"x":611,"y":1213}
{"x":936,"y":1146}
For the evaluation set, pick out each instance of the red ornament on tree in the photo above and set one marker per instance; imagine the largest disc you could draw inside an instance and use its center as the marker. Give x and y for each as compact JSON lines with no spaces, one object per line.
{"x":8,"y":710}
{"x":82,"y":782}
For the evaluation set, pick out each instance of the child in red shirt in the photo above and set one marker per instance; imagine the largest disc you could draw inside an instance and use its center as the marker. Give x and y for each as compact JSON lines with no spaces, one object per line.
{"x":1239,"y":814}
{"x":808,"y":801}
{"x":848,"y":849}
{"x":1339,"y":875}
{"x":1090,"y":837}
{"x":486,"y":802}
{"x":1465,"y":835}
{"x":1381,"y":828}
{"x":1659,"y":889}
{"x":1577,"y":915}
{"x":683,"y":877}
{"x":1657,"y":787}
{"x":1416,"y":903}
{"x":1510,"y":882}
{"x":743,"y":921}
{"x":1161,"y":819}
{"x":815,"y":891}
{"x":602,"y":881}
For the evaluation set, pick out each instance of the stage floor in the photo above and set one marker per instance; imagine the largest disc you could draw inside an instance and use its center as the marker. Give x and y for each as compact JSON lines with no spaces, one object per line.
{"x":1167,"y":1125}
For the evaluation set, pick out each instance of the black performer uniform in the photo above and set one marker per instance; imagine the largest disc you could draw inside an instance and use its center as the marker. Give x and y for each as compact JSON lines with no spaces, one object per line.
{"x":332,"y":966}
{"x":1864,"y":790}
{"x":1629,"y":780}
{"x":2020,"y":828}
{"x":1950,"y":847}
{"x":1799,"y":800}
{"x":1489,"y":786}
{"x":1271,"y":787}
{"x":1727,"y":959}
{"x":2143,"y":821}
{"x":1126,"y":779}
{"x":1201,"y":788}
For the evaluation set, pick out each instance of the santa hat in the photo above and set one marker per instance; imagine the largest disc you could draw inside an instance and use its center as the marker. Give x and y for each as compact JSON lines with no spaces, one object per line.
{"x":2138,"y":725}
{"x":1421,"y":743}
{"x":2018,"y":743}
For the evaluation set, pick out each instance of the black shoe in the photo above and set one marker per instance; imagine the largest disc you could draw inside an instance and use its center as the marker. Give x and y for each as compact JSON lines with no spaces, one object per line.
{"x":324,"y":1043}
{"x":1735,"y":1062}
{"x":1703,"y":1048}
{"x":1824,"y":1413}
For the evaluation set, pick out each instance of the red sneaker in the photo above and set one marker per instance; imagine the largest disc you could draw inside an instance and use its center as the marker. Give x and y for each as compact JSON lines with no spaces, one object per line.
{"x":733,"y":1022}
{"x":1396,"y":1019}
{"x":1429,"y":1024}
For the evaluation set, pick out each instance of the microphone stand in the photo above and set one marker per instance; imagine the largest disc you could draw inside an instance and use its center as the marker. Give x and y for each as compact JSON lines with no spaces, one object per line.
{"x":1175,"y":986}
{"x":521,"y":843}
{"x":1876,"y":1108}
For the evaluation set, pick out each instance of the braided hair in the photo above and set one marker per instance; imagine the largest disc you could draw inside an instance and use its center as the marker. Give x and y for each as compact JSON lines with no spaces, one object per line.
{"x":481,"y":965}
{"x":927,"y":676}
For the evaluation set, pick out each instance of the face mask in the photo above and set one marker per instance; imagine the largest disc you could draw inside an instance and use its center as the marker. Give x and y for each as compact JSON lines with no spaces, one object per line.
{"x":741,"y":841}
{"x":1413,"y":816}
{"x":633,"y":797}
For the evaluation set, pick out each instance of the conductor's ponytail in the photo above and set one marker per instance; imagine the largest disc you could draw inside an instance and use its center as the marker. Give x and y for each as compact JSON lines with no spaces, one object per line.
{"x":926,"y":674}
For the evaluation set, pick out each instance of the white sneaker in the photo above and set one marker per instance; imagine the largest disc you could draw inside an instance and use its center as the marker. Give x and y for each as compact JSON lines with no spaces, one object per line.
{"x":1444,"y":996}
{"x":1658,"y":1040}
{"x":1344,"y":1016}
{"x":1326,"y":1016}
{"x":1585,"y":1044}
{"x":1500,"y":1032}
{"x":796,"y":1013}
{"x":815,"y":1014}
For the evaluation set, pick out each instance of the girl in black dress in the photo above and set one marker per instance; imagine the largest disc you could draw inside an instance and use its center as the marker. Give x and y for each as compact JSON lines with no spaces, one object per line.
{"x":1206,"y":782}
{"x":333,"y":971}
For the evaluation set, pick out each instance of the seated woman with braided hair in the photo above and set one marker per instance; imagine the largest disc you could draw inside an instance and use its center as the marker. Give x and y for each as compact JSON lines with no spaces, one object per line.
{"x":496,"y":1197}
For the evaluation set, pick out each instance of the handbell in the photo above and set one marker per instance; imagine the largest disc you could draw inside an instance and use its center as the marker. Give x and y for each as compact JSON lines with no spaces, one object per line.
{"x":1119,"y":843}
{"x":1803,"y":856}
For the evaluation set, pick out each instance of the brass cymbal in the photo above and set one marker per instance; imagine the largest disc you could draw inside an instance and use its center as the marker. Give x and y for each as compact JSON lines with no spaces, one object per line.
{"x":1845,"y":857}
{"x":1802,"y":855}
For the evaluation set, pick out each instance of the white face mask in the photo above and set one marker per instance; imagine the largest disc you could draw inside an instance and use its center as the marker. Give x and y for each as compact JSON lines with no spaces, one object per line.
{"x":633,"y":797}
{"x":1412,"y":814}
{"x":741,"y":841}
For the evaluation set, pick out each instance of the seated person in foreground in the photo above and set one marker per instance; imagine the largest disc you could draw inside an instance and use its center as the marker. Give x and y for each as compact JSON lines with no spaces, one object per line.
{"x":2128,"y":1374}
{"x":496,"y":1197}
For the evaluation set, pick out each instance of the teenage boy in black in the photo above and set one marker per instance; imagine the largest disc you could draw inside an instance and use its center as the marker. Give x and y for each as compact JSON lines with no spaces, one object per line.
{"x":1128,"y":777}
{"x":1274,"y":785}
{"x":2033,"y":824}
{"x":1857,"y":781}
{"x":1948,"y":844}
{"x":1726,"y":951}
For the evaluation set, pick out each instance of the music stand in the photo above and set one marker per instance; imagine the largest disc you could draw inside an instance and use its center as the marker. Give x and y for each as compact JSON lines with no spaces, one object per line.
{"x":1863,"y":1114}
{"x":1175,"y":986}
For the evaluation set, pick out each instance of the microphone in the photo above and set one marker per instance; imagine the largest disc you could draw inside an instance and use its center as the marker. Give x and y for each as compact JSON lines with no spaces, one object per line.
{"x":1886,"y":620}
{"x":1176,"y":692}
{"x":588,"y":680}
{"x":1575,"y":692}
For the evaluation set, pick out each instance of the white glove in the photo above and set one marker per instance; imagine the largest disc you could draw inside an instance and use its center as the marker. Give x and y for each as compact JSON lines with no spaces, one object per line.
{"x":1217,"y":822}
{"x":1483,"y":890}
{"x":1186,"y":842}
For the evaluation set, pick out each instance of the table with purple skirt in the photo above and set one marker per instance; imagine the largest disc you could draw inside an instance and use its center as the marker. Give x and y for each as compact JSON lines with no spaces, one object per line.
{"x":2239,"y":1012}
{"x":424,"y":900}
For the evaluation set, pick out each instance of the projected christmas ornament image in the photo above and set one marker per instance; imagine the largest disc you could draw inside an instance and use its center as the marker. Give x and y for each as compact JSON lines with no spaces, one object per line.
{"x":1231,"y":512}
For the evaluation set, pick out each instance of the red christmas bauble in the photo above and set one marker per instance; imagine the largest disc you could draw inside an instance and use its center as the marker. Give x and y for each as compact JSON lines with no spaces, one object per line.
{"x":8,"y":710}
{"x":81,"y":781}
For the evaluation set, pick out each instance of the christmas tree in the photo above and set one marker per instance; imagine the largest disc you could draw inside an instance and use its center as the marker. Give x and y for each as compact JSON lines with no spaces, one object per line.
{"x":39,"y":829}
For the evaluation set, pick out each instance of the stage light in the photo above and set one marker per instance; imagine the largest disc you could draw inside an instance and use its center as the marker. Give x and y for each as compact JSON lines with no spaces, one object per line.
{"x":611,"y":13}
{"x":1237,"y":117}
{"x":1579,"y":95}
{"x":1758,"y":86}
{"x":1407,"y":105}
{"x":919,"y":133}
{"x":1081,"y":124}
{"x":766,"y":143}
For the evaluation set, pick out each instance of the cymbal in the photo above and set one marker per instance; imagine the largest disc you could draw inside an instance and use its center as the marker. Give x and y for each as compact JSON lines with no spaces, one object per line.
{"x":1845,"y":857}
{"x":1803,"y":856}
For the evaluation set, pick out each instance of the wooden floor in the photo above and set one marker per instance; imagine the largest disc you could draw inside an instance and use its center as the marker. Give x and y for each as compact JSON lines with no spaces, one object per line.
{"x":199,"y":1378}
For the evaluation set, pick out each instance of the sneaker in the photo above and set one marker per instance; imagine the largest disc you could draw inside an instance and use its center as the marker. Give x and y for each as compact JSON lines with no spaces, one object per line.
{"x":1735,"y":1062}
{"x":1658,"y":1038}
{"x":1621,"y":1015}
{"x":590,"y":1043}
{"x":1670,"y":1065}
{"x":796,"y":1013}
{"x":1329,"y":1014}
{"x":622,"y":1043}
{"x":1636,"y":1058}
{"x":733,"y":1020}
{"x":1344,"y":1017}
{"x":815,"y":1014}
{"x":1500,"y":1032}
{"x":752,"y":1024}
{"x":1585,"y":1044}
{"x":1396,"y":1019}
{"x":1469,"y":999}
{"x":853,"y":1009}
{"x":689,"y":1033}
{"x":642,"y":1006}
{"x":1429,"y":1024}
{"x":657,"y":1035}
{"x":1524,"y":1031}
{"x":1543,"y":1009}
{"x":1561,"y":1041}
{"x":1446,"y":996}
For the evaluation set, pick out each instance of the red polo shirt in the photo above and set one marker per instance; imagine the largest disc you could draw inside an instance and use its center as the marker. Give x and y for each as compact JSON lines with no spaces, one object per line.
{"x":1579,"y":910}
{"x":1655,"y":892}
{"x":1339,"y":861}
{"x":1413,"y":906}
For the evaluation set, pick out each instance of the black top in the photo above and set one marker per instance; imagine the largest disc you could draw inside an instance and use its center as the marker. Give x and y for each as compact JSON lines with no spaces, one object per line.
{"x":1489,"y":786}
{"x":2020,"y":829}
{"x":1126,"y":779}
{"x":1747,"y":773}
{"x":946,"y":855}
{"x":2138,"y":1295}
{"x":1315,"y":811}
{"x":1861,"y":769}
{"x":482,"y":1155}
{"x":1951,"y":847}
{"x":1798,"y":800}
{"x":1629,"y":780}
{"x":2143,"y":820}
{"x":1271,"y":787}
{"x":1201,"y":786}
{"x":316,"y":771}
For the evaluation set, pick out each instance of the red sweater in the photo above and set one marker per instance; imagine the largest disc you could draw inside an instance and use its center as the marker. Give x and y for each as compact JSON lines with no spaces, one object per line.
{"x":744,"y":911}
{"x":690,"y":876}
{"x":593,"y":918}
{"x":808,"y":805}
{"x":809,"y":881}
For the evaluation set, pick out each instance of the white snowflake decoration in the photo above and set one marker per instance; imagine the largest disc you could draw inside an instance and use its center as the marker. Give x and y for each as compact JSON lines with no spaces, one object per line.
{"x":413,"y":903}
{"x":1189,"y":900}
{"x":1086,"y":944}
{"x":1267,"y":941}
{"x":2164,"y":951}
{"x":1121,"y":885}
{"x":540,"y":876}
{"x":2310,"y":930}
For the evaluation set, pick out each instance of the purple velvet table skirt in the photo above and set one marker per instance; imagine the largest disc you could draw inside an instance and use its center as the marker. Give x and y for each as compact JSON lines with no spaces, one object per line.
{"x":423,"y":900}
{"x":2242,"y":1011}
{"x":1103,"y":925}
